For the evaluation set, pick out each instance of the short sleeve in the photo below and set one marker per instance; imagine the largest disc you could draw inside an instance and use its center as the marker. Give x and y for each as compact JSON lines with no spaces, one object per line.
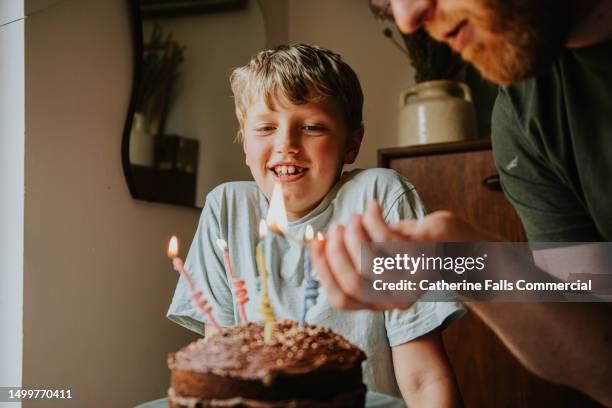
{"x":206,"y":267}
{"x":532,"y":181}
{"x":405,"y":325}
{"x":407,"y":206}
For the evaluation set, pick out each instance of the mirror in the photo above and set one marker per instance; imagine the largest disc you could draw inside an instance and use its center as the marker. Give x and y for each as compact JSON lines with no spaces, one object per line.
{"x":179,"y":136}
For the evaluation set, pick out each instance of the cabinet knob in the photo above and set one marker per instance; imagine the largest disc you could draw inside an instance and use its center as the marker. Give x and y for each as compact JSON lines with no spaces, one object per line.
{"x":492,"y":183}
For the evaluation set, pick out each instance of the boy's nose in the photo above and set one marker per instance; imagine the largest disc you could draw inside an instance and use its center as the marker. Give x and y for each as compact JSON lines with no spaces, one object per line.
{"x":410,"y":15}
{"x":287,"y":141}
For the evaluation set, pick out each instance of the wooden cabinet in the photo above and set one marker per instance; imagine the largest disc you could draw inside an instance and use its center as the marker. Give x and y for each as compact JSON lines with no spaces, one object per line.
{"x":451,"y":176}
{"x":461,"y":177}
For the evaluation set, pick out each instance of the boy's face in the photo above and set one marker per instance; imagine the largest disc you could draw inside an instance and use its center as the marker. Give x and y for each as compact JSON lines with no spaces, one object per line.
{"x":302,"y":146}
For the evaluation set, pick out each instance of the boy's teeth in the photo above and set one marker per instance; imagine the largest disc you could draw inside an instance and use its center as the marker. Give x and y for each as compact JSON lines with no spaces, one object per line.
{"x":282,"y":170}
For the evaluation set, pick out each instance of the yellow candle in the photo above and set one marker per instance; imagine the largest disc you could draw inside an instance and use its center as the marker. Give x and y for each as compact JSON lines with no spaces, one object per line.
{"x":265,"y":305}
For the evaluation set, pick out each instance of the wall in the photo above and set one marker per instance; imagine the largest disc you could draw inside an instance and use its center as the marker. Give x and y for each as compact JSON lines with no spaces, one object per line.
{"x":276,"y":16}
{"x":349,"y":28}
{"x":96,"y":279}
{"x":11,"y":192}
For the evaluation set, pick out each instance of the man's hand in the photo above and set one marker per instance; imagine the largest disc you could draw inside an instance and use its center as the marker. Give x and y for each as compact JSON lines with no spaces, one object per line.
{"x":441,"y":226}
{"x":337,"y":259}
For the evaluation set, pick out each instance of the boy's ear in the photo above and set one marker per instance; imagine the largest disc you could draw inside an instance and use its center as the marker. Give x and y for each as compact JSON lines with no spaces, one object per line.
{"x":352,"y":146}
{"x":241,"y":138}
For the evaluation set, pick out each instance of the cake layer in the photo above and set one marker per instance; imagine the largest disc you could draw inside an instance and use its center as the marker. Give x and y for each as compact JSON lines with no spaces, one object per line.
{"x":320,"y":384}
{"x":354,"y":399}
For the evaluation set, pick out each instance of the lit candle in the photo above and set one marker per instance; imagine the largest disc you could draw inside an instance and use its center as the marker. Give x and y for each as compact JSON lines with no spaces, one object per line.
{"x":265,"y":305}
{"x":241,"y":293}
{"x":311,"y":292}
{"x":197,"y":296}
{"x":277,"y":215}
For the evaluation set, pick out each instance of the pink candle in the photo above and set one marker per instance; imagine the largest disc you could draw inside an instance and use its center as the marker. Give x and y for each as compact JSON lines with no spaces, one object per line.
{"x":242,"y":294}
{"x":197,"y":296}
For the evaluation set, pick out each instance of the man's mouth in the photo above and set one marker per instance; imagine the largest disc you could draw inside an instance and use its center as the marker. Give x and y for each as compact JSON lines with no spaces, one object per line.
{"x":460,"y":35}
{"x":453,"y":33}
{"x":288,"y":172}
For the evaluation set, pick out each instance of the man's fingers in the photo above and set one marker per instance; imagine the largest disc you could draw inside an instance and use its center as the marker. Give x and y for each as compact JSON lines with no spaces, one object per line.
{"x":376,"y":226}
{"x":395,"y":305}
{"x":335,"y":293}
{"x":336,"y":296}
{"x":354,"y":238}
{"x":412,"y":230}
{"x":341,"y":264}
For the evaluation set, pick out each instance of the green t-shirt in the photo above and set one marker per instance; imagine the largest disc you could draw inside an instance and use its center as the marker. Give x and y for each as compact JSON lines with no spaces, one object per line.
{"x":552,"y":143}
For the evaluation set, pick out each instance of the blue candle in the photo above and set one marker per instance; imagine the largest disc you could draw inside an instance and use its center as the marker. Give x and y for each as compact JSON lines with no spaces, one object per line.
{"x":311,"y":291}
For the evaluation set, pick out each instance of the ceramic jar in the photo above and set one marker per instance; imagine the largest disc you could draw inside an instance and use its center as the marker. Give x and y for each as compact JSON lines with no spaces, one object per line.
{"x":435,"y":112}
{"x":141,"y":142}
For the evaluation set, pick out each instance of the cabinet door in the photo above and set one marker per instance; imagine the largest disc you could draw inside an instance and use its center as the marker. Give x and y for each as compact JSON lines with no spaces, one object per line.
{"x":452,"y":179}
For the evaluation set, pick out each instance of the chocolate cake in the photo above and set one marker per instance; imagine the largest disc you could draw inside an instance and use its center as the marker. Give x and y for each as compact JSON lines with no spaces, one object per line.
{"x":303,"y":367}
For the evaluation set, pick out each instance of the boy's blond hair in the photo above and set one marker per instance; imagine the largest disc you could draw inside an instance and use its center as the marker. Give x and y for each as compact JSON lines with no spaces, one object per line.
{"x":298,"y":74}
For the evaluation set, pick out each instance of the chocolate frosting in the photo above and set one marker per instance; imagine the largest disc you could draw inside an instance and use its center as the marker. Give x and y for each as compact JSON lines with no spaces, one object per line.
{"x":240,"y":352}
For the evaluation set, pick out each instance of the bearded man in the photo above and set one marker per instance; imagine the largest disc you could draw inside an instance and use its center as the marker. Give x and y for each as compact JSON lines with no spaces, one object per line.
{"x":552,"y":143}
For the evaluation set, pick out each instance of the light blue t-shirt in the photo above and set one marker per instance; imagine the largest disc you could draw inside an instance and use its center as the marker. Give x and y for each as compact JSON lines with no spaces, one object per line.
{"x":233,"y":212}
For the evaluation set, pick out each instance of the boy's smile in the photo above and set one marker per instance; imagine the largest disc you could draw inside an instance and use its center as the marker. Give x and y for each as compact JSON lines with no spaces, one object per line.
{"x":303,"y":146}
{"x":288,"y":171}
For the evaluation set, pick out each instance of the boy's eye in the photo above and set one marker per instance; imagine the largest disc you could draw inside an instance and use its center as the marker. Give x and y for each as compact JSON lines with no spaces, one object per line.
{"x":313,"y":128}
{"x":264,"y":129}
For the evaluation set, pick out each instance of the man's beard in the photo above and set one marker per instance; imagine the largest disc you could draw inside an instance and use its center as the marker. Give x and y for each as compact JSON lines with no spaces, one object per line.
{"x":517,"y":39}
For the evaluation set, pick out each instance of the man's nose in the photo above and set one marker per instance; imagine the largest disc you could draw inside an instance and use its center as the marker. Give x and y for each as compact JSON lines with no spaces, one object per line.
{"x":410,"y":15}
{"x":287,"y":141}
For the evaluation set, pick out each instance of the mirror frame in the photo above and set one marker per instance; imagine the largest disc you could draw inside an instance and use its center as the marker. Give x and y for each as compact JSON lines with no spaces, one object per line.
{"x":137,"y":44}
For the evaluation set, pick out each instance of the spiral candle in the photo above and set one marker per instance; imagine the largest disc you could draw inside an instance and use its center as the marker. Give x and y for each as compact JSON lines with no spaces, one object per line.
{"x":265,"y":305}
{"x":197,"y":296}
{"x":263,"y":228}
{"x":241,"y":293}
{"x":311,"y":292}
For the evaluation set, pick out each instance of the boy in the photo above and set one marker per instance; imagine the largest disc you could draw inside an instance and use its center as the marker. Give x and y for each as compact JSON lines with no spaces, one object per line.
{"x":300,"y":114}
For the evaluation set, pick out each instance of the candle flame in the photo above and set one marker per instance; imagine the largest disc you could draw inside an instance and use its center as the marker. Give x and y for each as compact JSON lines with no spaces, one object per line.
{"x":320,"y":236}
{"x":309,"y":234}
{"x":277,"y":214}
{"x":263,"y":229}
{"x":222,"y":244}
{"x":173,"y":247}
